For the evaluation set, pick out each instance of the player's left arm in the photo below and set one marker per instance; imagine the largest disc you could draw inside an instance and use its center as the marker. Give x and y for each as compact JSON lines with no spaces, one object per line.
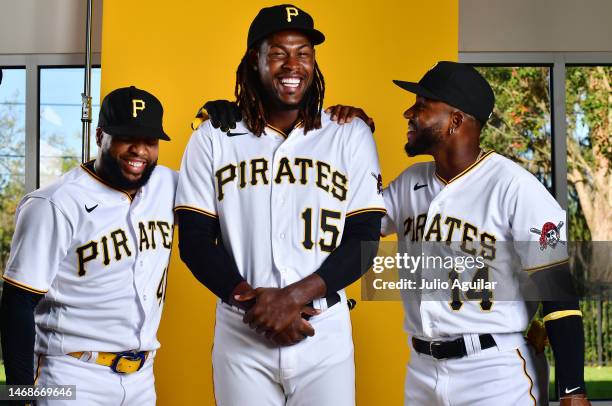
{"x":539,"y":231}
{"x":275,"y":309}
{"x":225,"y":114}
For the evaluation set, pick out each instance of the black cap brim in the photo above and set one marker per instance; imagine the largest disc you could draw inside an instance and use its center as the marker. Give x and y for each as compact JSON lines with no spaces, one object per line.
{"x":132,"y":131}
{"x":316,"y":36}
{"x":417,"y":89}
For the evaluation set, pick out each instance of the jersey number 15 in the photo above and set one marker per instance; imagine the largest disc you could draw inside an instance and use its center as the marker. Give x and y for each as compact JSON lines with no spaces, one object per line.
{"x":327,"y":227}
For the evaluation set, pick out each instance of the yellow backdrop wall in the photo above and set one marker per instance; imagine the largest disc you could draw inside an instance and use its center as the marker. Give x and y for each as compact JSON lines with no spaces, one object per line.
{"x":186,"y":52}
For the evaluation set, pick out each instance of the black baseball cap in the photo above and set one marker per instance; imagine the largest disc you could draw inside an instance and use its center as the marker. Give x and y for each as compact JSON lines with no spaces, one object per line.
{"x":129,"y":111}
{"x":280,"y":18}
{"x":458,"y":85}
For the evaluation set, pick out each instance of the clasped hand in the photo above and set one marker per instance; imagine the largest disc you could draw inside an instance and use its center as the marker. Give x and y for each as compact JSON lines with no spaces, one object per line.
{"x":277,"y":314}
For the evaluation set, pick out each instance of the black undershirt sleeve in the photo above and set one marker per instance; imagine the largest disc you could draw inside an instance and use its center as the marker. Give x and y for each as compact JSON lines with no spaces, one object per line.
{"x":351,"y":259}
{"x":18,"y":332}
{"x":202,"y":251}
{"x":566,"y":336}
{"x":566,"y":333}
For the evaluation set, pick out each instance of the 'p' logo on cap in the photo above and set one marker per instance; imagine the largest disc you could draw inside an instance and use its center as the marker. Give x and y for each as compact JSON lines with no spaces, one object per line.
{"x":291,"y":12}
{"x":137,"y":105}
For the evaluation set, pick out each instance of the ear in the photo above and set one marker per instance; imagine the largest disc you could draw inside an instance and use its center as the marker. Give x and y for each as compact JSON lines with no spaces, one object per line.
{"x":456,"y":120}
{"x":99,"y":136}
{"x":252,"y":59}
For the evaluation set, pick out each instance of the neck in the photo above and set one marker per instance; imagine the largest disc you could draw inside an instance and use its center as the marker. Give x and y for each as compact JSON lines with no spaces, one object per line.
{"x":451,"y":162}
{"x":283,"y":119}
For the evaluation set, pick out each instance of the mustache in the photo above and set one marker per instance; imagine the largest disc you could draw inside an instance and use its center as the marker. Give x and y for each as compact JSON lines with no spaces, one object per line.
{"x":112,"y":172}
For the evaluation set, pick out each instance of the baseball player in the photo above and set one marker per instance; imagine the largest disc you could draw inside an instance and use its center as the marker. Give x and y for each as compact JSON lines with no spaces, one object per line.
{"x":469,"y":349}
{"x":86,"y":279}
{"x":289,"y":195}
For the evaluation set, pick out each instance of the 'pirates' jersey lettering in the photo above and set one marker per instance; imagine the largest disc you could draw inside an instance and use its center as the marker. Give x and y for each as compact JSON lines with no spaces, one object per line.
{"x":121,"y":243}
{"x":330,"y":180}
{"x":443,"y":229}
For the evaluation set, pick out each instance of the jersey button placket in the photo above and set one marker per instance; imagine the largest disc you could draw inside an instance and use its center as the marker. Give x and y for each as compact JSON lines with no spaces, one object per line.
{"x":279,"y":215}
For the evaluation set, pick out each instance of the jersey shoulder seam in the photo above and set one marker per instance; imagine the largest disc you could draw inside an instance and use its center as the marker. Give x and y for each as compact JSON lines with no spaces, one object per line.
{"x":56,"y":206}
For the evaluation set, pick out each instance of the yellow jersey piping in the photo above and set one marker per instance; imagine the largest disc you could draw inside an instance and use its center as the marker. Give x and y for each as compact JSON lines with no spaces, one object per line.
{"x":102,"y":181}
{"x":466,"y":170}
{"x":369,"y":209}
{"x":197,"y":210}
{"x":23,"y":286}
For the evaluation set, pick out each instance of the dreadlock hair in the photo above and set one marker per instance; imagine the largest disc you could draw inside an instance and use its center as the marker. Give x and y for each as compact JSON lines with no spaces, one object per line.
{"x":249,"y":91}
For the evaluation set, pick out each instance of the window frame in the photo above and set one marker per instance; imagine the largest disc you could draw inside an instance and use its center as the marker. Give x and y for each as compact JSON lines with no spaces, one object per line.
{"x":559,"y":61}
{"x":33,"y":63}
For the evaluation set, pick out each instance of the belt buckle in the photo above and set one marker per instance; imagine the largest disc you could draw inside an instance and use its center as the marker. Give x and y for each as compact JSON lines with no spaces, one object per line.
{"x":130,"y":356}
{"x":433,"y":349}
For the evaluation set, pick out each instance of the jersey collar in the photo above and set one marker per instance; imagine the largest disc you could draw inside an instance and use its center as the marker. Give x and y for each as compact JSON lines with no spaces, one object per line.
{"x":281,"y":132}
{"x":466,"y":170}
{"x":88,"y":167}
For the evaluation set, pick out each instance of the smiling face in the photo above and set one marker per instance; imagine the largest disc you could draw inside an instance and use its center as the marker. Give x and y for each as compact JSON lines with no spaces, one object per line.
{"x":126,"y":162}
{"x":427,"y":120}
{"x":285,"y":62}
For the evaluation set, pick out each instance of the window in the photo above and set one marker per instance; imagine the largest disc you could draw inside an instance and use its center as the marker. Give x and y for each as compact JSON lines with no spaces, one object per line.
{"x":60,"y":119}
{"x":32,"y":136}
{"x":588,"y":104}
{"x":520,"y":127}
{"x":12,"y":153}
{"x":555,"y":118}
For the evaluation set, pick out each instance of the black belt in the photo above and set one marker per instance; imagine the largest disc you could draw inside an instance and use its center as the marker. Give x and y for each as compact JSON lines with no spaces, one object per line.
{"x":330,"y":299}
{"x":449,"y":349}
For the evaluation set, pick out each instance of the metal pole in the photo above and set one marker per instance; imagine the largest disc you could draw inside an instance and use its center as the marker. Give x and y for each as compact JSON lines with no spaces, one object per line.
{"x":86,"y":95}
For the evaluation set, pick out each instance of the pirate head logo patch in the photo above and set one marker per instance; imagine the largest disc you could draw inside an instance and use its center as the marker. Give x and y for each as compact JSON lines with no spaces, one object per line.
{"x":550,"y":235}
{"x":379,"y":184}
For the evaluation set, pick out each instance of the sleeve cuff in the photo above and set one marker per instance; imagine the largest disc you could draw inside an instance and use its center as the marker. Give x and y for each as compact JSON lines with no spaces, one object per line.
{"x":381,"y":210}
{"x":23,"y":286}
{"x":197,"y":210}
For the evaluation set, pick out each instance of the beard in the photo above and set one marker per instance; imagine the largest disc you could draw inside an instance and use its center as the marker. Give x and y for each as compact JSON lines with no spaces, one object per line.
{"x":113,"y":175}
{"x":424,"y":142}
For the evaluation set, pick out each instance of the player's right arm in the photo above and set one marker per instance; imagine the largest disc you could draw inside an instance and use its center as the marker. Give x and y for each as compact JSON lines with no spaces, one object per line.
{"x":40,"y":241}
{"x":18,"y":333}
{"x":200,"y":244}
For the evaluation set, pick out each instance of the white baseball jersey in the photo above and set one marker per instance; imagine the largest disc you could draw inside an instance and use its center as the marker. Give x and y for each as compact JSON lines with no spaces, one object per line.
{"x":492,"y":203}
{"x":99,"y":256}
{"x":281,"y":200}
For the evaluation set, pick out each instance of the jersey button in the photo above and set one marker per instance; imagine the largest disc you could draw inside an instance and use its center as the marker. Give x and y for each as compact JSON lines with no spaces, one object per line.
{"x":144,"y":297}
{"x":282,"y":236}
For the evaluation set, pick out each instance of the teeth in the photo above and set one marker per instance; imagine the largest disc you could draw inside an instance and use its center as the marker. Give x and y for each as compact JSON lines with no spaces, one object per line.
{"x":291,"y":82}
{"x":135,"y":164}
